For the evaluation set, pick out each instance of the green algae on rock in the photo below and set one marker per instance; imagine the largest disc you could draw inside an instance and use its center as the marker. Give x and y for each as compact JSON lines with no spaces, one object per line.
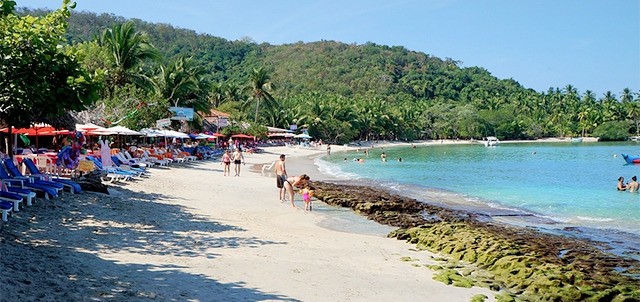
{"x":526,"y":264}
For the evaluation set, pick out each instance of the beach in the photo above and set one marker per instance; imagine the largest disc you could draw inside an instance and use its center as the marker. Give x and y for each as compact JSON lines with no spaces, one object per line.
{"x":188,"y":233}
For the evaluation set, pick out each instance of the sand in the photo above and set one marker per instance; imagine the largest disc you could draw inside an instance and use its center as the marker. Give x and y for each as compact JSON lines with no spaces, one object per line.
{"x":188,"y":233}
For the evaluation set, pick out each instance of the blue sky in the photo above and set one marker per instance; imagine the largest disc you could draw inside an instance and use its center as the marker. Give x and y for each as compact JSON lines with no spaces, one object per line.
{"x":592,"y":45}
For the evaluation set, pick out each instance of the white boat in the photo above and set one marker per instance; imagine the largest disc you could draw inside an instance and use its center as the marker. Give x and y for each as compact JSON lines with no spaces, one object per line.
{"x":576,"y":139}
{"x":492,"y":141}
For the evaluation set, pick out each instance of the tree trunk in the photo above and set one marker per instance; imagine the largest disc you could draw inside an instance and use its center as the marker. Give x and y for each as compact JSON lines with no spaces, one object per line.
{"x":257,"y":105}
{"x":10,"y":148}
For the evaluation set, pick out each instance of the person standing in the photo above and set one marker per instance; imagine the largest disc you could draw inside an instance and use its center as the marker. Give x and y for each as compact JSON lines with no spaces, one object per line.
{"x":328,"y":149}
{"x":226,"y":162}
{"x":383,"y":157}
{"x":238,"y":159}
{"x":281,"y":177}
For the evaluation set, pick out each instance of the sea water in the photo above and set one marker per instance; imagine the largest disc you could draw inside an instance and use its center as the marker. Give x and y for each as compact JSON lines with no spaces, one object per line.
{"x":561,"y":185}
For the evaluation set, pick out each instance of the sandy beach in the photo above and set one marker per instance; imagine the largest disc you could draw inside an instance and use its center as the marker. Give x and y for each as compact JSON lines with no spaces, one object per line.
{"x":188,"y":233}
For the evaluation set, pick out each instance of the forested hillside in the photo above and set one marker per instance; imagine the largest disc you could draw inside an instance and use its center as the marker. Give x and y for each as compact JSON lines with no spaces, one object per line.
{"x":342,"y":92}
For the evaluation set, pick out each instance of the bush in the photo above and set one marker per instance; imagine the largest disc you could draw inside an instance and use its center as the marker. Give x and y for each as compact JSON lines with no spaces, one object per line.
{"x":613,"y":131}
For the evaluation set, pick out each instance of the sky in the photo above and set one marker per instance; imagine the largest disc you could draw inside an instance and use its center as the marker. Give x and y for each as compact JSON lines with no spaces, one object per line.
{"x":589,"y":44}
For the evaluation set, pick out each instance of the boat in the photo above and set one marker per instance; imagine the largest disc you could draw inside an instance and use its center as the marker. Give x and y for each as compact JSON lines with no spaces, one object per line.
{"x":576,"y":139}
{"x":492,"y":141}
{"x":631,"y":159}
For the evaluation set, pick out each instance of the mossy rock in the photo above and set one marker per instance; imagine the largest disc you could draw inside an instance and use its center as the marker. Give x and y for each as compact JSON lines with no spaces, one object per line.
{"x":479,"y":298}
{"x":452,"y":277}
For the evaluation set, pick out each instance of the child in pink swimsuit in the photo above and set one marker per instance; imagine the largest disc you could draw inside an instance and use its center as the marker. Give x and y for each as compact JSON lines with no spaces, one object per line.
{"x":307,"y":193}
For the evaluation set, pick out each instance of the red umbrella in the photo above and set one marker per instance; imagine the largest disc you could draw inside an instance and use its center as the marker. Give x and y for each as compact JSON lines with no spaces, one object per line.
{"x":242,"y":136}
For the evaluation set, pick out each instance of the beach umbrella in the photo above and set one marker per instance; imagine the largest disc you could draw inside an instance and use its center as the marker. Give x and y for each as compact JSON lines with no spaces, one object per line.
{"x":174,"y":134}
{"x":278,"y":130}
{"x":242,"y":136}
{"x":302,"y":136}
{"x":281,"y":134}
{"x":88,"y":127}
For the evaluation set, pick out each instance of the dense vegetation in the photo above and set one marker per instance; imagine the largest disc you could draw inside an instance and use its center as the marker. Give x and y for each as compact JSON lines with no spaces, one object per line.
{"x":339,"y":91}
{"x":38,"y":81}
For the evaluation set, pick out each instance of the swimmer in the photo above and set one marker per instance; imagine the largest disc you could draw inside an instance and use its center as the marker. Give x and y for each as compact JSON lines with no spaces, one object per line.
{"x":621,"y":185}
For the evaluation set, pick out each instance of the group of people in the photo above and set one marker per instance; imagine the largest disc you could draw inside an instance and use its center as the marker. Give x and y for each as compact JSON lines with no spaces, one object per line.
{"x":629,"y":186}
{"x":288,"y":185}
{"x":236,"y":157}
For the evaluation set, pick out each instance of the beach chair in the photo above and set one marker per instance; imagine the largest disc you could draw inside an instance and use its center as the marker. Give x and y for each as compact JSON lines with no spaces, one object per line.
{"x":5,"y":207}
{"x":113,"y":174}
{"x":268,"y":167}
{"x":131,"y":162}
{"x":27,"y":194}
{"x":13,"y":198}
{"x":73,"y":186}
{"x":11,"y":182}
{"x":137,"y":171}
{"x":138,"y":160}
{"x":16,"y":174}
{"x":156,"y":159}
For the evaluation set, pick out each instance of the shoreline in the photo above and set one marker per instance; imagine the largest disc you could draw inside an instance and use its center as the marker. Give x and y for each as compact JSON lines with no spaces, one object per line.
{"x":544,"y":230}
{"x":190,"y":233}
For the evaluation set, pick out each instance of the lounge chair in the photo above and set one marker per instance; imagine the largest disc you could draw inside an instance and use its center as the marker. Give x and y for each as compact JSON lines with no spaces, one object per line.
{"x":27,"y":194}
{"x":73,"y":186}
{"x":268,"y":167}
{"x":26,"y":184}
{"x":136,"y":163}
{"x":157,"y":159}
{"x":13,"y":198}
{"x":116,"y":161}
{"x":113,"y":173}
{"x":15,"y":173}
{"x":5,"y":207}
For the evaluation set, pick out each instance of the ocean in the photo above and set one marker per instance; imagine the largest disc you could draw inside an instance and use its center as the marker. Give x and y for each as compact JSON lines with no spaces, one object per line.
{"x":567,"y":188}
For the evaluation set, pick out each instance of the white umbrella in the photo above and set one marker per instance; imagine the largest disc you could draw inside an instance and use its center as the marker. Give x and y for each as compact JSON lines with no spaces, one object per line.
{"x":171,"y":133}
{"x":204,"y":136}
{"x":116,"y":130}
{"x":303,"y":136}
{"x":150,"y":132}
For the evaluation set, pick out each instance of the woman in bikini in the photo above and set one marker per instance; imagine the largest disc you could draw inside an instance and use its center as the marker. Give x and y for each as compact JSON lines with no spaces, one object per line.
{"x":226,"y":161}
{"x":295,"y":182}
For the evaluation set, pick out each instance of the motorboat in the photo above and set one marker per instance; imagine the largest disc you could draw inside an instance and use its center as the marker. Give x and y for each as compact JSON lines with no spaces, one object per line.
{"x":576,"y":139}
{"x":492,"y":141}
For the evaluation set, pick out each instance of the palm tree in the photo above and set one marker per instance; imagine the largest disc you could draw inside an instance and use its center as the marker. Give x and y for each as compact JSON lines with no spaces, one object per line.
{"x":127,"y":49}
{"x":182,"y":84}
{"x":627,"y":95}
{"x":260,"y":88}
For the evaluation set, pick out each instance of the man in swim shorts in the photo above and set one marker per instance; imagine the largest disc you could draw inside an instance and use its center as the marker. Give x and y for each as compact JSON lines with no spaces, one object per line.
{"x":281,"y":177}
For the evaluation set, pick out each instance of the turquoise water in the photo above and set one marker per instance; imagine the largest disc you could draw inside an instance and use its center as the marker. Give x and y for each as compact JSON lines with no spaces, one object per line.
{"x":569,"y":185}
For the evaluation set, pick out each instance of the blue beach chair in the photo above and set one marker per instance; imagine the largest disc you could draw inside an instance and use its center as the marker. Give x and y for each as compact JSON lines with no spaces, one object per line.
{"x":26,"y":184}
{"x":73,"y":186}
{"x":15,"y":173}
{"x":5,"y":207}
{"x":113,"y":174}
{"x":13,"y":198}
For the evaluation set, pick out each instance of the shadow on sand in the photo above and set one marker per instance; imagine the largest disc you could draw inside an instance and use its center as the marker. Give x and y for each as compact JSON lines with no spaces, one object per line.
{"x":59,"y":251}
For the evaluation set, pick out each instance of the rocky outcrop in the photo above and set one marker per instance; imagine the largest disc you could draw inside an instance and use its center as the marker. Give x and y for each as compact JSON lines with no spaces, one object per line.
{"x":526,"y":264}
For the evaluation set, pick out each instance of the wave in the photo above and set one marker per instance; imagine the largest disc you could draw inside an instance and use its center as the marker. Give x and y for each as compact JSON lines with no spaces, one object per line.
{"x":596,"y":219}
{"x":334,"y":170}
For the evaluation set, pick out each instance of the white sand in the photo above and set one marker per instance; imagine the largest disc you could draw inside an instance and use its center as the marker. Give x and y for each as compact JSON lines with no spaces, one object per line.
{"x":191,"y":234}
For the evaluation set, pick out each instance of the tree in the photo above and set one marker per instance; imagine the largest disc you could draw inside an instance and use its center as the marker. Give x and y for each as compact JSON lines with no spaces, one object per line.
{"x":127,"y":50}
{"x":260,"y":88}
{"x":39,"y":81}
